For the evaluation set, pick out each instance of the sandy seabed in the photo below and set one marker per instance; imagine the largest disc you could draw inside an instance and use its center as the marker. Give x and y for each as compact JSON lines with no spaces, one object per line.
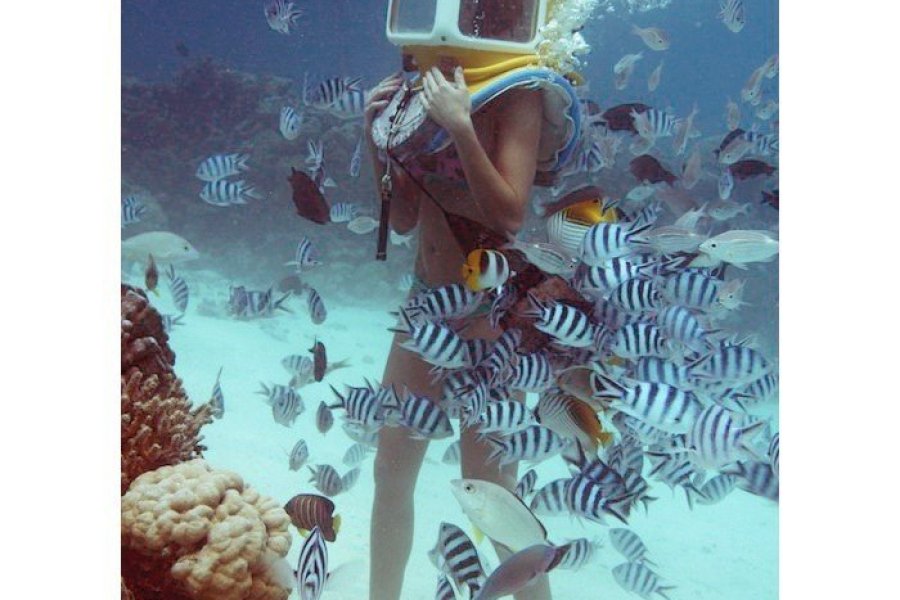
{"x":725,"y":551}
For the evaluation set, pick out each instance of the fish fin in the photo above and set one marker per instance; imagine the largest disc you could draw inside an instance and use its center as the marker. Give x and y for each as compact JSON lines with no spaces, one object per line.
{"x":477,"y":534}
{"x":336,"y":523}
{"x":662,"y":588}
{"x":303,"y":532}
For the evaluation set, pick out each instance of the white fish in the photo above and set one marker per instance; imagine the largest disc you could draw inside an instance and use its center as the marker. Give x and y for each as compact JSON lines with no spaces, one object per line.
{"x":282,"y":16}
{"x":669,"y":239}
{"x":499,"y":513}
{"x":406,"y":282}
{"x":342,"y":212}
{"x":289,"y":123}
{"x":356,"y":159}
{"x":741,"y":246}
{"x":730,"y":296}
{"x":219,"y":166}
{"x":735,"y":150}
{"x":724,"y":210}
{"x":690,"y":219}
{"x":165,"y":246}
{"x":641,"y":192}
{"x":653,"y":81}
{"x":398,"y":239}
{"x":363,"y":225}
{"x":767,"y":110}
{"x":732,"y":14}
{"x":726,"y":184}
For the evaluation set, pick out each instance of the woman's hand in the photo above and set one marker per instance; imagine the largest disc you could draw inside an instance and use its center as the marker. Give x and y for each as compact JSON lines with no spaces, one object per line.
{"x":448,"y":103}
{"x":379,"y":97}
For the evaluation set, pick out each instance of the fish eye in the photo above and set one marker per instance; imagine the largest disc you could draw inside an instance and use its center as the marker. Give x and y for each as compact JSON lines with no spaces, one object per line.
{"x":469,"y":487}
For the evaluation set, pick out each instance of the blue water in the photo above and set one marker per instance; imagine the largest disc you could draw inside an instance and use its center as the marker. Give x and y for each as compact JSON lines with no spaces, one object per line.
{"x":177,"y":112}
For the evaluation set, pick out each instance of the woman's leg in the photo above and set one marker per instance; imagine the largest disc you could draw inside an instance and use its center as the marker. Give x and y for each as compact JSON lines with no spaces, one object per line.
{"x":397,"y":464}
{"x":475,"y":465}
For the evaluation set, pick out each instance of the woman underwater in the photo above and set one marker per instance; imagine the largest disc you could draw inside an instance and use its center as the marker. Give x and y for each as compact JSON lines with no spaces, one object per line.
{"x":484,"y":174}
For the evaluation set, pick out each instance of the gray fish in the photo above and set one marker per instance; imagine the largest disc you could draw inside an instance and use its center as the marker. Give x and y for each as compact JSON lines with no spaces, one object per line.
{"x":324,"y":418}
{"x":629,"y":545}
{"x":299,"y":455}
{"x":550,"y":499}
{"x":217,"y":398}
{"x":451,"y":454}
{"x":525,"y":486}
{"x":637,"y":578}
{"x":178,"y":288}
{"x":716,"y":489}
{"x":578,"y":553}
{"x":521,"y":570}
{"x":327,"y":480}
{"x":317,"y":312}
{"x":348,"y":479}
{"x":355,"y":454}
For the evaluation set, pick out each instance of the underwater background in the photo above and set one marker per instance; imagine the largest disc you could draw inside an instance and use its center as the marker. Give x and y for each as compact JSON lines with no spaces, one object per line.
{"x":203,"y":78}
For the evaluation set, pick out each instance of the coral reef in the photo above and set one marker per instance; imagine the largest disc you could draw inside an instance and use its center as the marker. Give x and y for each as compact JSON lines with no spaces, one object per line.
{"x":215,"y":536}
{"x":159,"y":425}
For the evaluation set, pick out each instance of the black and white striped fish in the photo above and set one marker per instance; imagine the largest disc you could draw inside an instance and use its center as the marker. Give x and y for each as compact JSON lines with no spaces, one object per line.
{"x":760,"y":391}
{"x":455,"y":556}
{"x":637,"y":488}
{"x":286,"y":407}
{"x":132,"y":210}
{"x":638,"y":578}
{"x":425,"y":418}
{"x":774,"y":452}
{"x":325,"y":478}
{"x":525,"y":486}
{"x":756,"y":477}
{"x":502,"y":354}
{"x":715,"y":490}
{"x":692,"y":289}
{"x":350,"y":104}
{"x":317,"y":312}
{"x":330,"y":90}
{"x":718,"y":438}
{"x":654,"y":123}
{"x":606,"y":277}
{"x":225,"y":193}
{"x":444,"y":590}
{"x":356,"y":454}
{"x":660,"y":370}
{"x":626,"y":454}
{"x":289,"y":123}
{"x":639,"y":430}
{"x":361,"y":406}
{"x":532,"y":373}
{"x":505,"y":418}
{"x":178,"y":289}
{"x":629,"y":544}
{"x":637,"y":295}
{"x":342,"y":212}
{"x":275,"y":393}
{"x":219,"y":166}
{"x":604,"y":241}
{"x":451,"y":454}
{"x":436,"y":343}
{"x":586,"y":498}
{"x":664,"y":406}
{"x":299,"y":455}
{"x":675,"y":470}
{"x":348,"y":479}
{"x":634,"y":340}
{"x":680,"y":324}
{"x":534,"y":444}
{"x":444,"y":303}
{"x":730,"y":366}
{"x":298,"y":364}
{"x":254,"y":303}
{"x":578,"y":553}
{"x":312,"y":566}
{"x":551,"y":499}
{"x":217,"y":398}
{"x":566,"y":324}
{"x":305,"y":257}
{"x":324,"y":418}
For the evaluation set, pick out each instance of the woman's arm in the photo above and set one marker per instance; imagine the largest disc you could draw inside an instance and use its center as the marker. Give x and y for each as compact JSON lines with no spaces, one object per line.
{"x":501,"y":187}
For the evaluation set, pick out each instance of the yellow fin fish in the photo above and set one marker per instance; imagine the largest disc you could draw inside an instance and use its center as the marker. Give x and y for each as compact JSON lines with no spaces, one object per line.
{"x":485,"y":269}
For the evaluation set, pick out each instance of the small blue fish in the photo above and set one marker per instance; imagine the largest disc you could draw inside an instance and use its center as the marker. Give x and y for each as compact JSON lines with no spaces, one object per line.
{"x":343,"y":212}
{"x":289,"y":123}
{"x":219,"y":166}
{"x":305,"y":257}
{"x":132,"y":210}
{"x":356,"y":159}
{"x":179,"y":289}
{"x":406,"y":282}
{"x":282,"y":16}
{"x":225,"y":193}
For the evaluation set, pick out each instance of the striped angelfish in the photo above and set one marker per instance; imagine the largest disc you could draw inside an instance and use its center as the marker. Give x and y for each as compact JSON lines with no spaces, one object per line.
{"x":425,"y":418}
{"x":451,"y":454}
{"x":312,"y":566}
{"x":226,"y":193}
{"x":361,"y":405}
{"x":219,"y":166}
{"x":305,"y":256}
{"x":299,"y":455}
{"x":532,"y":373}
{"x":324,"y":418}
{"x":525,"y":486}
{"x":718,"y":439}
{"x":675,"y":470}
{"x":566,"y":324}
{"x":611,"y":483}
{"x":764,"y":144}
{"x":447,"y":302}
{"x":636,"y":295}
{"x":350,"y":104}
{"x":316,"y":306}
{"x":456,"y":557}
{"x":654,"y":123}
{"x":762,"y":390}
{"x":170,"y":321}
{"x":436,"y":343}
{"x":608,"y":276}
{"x":444,"y":590}
{"x":660,"y":370}
{"x":680,"y":324}
{"x":275,"y":393}
{"x":178,"y":288}
{"x":289,"y":123}
{"x":297,"y":364}
{"x":286,"y":408}
{"x":756,"y":477}
{"x":551,"y":499}
{"x":342,"y":212}
{"x":629,"y":544}
{"x":217,"y":398}
{"x":132,"y":210}
{"x":506,"y":418}
{"x":534,"y":443}
{"x":635,"y":340}
{"x":325,"y":478}
{"x":637,"y":488}
{"x":664,"y":406}
{"x":774,"y":452}
{"x":604,"y":241}
{"x":731,"y":365}
{"x":503,"y":352}
{"x":638,"y":578}
{"x":626,"y":455}
{"x":348,"y":479}
{"x":355,"y":455}
{"x":647,"y":434}
{"x":578,"y":553}
{"x":586,"y":498}
{"x":646,"y":216}
{"x":692,"y":289}
{"x":715,"y":490}
{"x":360,"y":434}
{"x":329,"y":90}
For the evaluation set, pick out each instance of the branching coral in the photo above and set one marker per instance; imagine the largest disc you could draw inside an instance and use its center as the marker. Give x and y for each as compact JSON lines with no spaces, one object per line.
{"x":215,"y":536}
{"x":159,"y":426}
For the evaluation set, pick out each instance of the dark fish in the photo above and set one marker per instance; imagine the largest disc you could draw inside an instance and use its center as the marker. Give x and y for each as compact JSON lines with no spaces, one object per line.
{"x":320,"y":361}
{"x":151,"y":275}
{"x":646,"y":169}
{"x":770,"y":198}
{"x":732,"y":135}
{"x":618,"y":118}
{"x":308,"y":200}
{"x":312,"y":510}
{"x":324,"y":419}
{"x":521,"y":570}
{"x":182,"y":50}
{"x":750,"y":167}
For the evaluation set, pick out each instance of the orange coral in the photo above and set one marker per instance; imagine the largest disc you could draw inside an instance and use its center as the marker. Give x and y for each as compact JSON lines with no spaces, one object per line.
{"x":216,"y":537}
